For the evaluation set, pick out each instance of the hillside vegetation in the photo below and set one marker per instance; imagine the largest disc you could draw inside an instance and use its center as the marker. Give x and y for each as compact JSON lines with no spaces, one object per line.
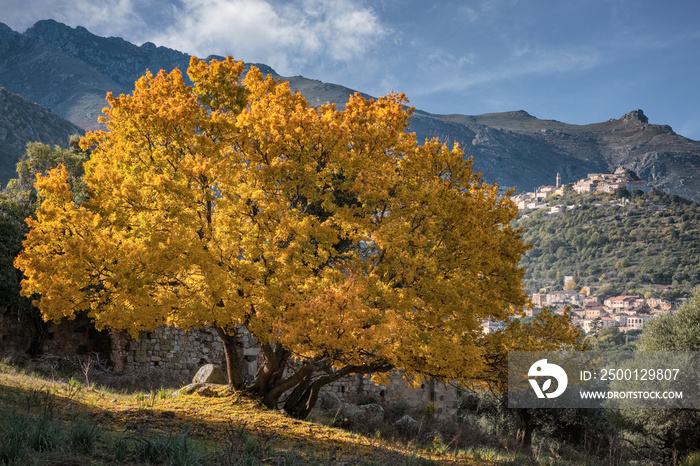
{"x":647,"y":244}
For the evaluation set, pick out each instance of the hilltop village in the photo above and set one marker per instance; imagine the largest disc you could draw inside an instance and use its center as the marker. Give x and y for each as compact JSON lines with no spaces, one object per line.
{"x":594,"y":183}
{"x":588,"y":313}
{"x":591,"y":313}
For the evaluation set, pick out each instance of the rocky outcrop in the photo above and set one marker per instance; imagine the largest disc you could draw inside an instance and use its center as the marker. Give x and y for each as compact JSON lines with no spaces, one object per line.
{"x":368,"y":415}
{"x":353,"y":415}
{"x":10,"y":40}
{"x":407,"y":424}
{"x":114,"y":57}
{"x":635,"y":116}
{"x":518,"y":150}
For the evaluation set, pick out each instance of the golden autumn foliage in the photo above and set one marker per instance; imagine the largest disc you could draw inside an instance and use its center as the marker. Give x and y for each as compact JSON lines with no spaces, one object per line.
{"x":340,"y":243}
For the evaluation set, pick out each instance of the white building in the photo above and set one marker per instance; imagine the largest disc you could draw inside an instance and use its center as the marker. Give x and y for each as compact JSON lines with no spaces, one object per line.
{"x":637,"y":321}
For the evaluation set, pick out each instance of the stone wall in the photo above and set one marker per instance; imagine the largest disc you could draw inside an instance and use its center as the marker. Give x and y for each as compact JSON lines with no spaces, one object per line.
{"x":27,"y":333}
{"x":183,"y":353}
{"x":360,"y":389}
{"x":167,"y":348}
{"x":77,"y":337}
{"x":17,"y":332}
{"x":179,"y":354}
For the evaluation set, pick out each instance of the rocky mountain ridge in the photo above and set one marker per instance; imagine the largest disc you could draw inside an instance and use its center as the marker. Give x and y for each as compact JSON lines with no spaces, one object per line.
{"x":69,"y":70}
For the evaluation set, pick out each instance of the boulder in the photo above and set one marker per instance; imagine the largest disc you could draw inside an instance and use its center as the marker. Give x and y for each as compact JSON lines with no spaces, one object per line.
{"x":329,"y":402}
{"x":406,"y":421}
{"x":207,"y":391}
{"x":209,"y":373}
{"x":188,"y":390}
{"x":365,"y":415}
{"x":407,"y":424}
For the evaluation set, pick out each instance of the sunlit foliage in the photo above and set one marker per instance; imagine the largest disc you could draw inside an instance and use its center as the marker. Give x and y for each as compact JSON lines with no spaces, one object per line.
{"x":340,"y":243}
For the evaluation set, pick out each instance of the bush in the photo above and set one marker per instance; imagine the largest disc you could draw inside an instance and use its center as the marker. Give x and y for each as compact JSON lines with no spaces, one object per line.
{"x":692,"y":459}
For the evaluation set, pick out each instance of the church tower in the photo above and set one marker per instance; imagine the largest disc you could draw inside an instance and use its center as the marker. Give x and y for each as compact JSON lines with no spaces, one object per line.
{"x":558,"y":180}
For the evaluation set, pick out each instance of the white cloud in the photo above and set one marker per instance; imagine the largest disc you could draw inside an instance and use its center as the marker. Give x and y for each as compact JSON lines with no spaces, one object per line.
{"x":444,"y":59}
{"x":285,"y":35}
{"x":105,"y":18}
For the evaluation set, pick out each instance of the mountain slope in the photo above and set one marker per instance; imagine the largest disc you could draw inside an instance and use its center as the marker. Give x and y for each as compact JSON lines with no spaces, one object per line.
{"x":22,"y":122}
{"x":647,"y":244}
{"x":69,"y":70}
{"x":529,"y":152}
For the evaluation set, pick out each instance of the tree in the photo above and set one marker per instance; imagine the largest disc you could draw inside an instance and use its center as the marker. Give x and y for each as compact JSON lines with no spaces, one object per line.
{"x":12,"y":231}
{"x":607,"y":339}
{"x":679,"y":331}
{"x":571,"y":285}
{"x":668,"y":432}
{"x":39,"y":158}
{"x":18,"y":201}
{"x":546,"y":331}
{"x":341,"y":244}
{"x":622,"y":191}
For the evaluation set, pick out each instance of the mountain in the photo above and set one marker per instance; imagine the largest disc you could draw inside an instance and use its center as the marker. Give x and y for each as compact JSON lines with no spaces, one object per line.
{"x":22,"y":122}
{"x":529,"y":152}
{"x":69,"y":70}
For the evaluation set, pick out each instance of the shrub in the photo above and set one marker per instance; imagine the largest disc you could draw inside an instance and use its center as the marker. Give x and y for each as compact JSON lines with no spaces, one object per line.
{"x":692,"y":459}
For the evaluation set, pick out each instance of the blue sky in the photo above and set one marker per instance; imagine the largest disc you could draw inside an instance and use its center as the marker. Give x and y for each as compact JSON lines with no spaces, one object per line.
{"x":577,"y":61}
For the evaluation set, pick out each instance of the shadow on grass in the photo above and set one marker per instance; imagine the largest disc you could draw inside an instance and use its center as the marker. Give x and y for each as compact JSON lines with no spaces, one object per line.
{"x":227,"y":428}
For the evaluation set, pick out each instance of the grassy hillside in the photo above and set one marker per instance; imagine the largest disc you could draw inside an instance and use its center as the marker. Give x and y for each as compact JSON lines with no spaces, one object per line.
{"x":46,"y":419}
{"x":646,"y":245}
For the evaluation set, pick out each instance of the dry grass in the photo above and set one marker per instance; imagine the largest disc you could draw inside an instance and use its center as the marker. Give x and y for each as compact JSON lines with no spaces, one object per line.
{"x":157,"y":428}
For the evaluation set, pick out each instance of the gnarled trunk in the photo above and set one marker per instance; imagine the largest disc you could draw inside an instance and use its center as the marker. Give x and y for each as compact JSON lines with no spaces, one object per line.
{"x":304,"y":380}
{"x":302,"y":400}
{"x":269,"y":382}
{"x":233,"y":361}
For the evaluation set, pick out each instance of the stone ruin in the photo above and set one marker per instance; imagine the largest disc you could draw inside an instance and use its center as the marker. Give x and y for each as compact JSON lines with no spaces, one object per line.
{"x":180,"y":354}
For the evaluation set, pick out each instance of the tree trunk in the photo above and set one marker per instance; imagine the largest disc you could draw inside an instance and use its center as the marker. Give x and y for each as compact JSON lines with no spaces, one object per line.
{"x":233,"y":362}
{"x":305,"y":380}
{"x":525,"y":428}
{"x":270,"y":371}
{"x":300,"y":406}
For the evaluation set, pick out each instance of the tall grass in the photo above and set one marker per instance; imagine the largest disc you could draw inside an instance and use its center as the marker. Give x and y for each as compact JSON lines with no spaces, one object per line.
{"x":177,"y":450}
